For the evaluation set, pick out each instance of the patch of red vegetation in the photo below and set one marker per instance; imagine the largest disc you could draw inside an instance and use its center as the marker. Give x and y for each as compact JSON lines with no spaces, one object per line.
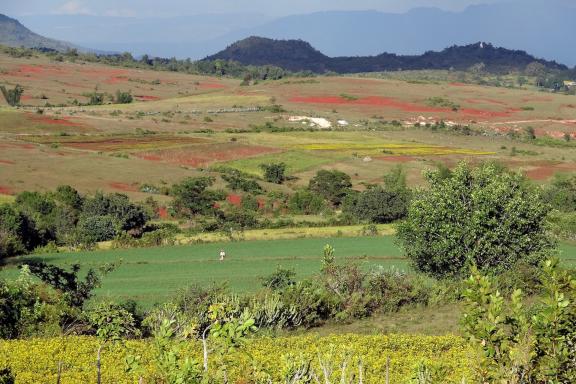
{"x":42,"y":119}
{"x":370,"y":100}
{"x":234,"y":200}
{"x":163,"y":213}
{"x":123,"y":187}
{"x":6,"y":190}
{"x":211,"y":86}
{"x":9,"y":162}
{"x":395,"y":159}
{"x":146,"y":97}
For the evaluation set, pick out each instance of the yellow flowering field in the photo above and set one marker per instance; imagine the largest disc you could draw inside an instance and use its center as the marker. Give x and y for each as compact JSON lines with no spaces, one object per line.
{"x":36,"y":361}
{"x":395,"y":149}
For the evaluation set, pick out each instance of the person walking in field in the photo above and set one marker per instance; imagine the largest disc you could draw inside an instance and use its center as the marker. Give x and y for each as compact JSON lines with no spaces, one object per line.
{"x":222,"y":255}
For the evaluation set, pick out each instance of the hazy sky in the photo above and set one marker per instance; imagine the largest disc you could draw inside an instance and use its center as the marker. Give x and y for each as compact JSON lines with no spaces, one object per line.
{"x":142,"y":8}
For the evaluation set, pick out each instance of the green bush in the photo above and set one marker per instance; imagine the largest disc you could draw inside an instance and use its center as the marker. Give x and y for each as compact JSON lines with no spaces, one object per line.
{"x":519,"y":344}
{"x":274,"y":172}
{"x":12,"y":96}
{"x":123,"y":97}
{"x":484,"y":215}
{"x":305,"y":202}
{"x":377,"y":205}
{"x":332,"y":185}
{"x":93,"y":229}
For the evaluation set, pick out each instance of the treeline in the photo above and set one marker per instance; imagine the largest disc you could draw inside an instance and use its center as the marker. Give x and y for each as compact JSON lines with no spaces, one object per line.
{"x":45,"y":221}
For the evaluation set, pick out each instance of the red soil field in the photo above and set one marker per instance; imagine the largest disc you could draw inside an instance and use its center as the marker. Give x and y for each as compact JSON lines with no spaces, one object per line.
{"x":19,"y":146}
{"x":9,"y":162}
{"x":234,"y":200}
{"x":123,"y":187}
{"x":455,"y":84}
{"x":6,"y":190}
{"x":395,"y":159}
{"x":146,"y":97}
{"x":489,"y":114}
{"x":116,"y":80}
{"x":150,"y":157}
{"x":63,"y":121}
{"x":370,"y":100}
{"x":537,"y":98}
{"x":541,"y":173}
{"x":211,"y":86}
{"x":101,"y":72}
{"x":25,"y":70}
{"x":202,"y":155}
{"x":128,"y":143}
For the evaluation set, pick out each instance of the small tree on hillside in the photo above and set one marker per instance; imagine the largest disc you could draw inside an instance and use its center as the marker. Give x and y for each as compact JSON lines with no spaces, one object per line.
{"x":123,"y":97}
{"x":274,"y":172}
{"x":486,"y":215}
{"x":192,"y":197}
{"x":12,"y":96}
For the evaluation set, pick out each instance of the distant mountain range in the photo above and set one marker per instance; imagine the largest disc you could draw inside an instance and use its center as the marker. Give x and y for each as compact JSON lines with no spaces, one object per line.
{"x":298,"y":55}
{"x":14,"y":34}
{"x":542,"y":27}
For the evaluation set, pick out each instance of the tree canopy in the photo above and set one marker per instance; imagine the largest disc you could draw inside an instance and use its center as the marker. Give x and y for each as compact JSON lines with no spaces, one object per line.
{"x":485,"y":215}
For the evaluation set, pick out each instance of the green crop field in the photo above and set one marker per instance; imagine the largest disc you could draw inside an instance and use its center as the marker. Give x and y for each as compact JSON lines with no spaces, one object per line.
{"x":151,"y":275}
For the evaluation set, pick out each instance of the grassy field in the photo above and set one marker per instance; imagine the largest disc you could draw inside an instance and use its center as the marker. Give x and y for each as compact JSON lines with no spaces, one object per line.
{"x":153,"y":274}
{"x":150,"y":275}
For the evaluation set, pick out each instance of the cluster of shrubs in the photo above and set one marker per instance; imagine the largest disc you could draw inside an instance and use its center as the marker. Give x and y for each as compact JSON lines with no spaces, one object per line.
{"x":65,"y":217}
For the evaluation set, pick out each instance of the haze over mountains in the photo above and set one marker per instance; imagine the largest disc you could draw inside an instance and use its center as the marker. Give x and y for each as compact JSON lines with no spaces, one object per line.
{"x":13,"y":33}
{"x":542,"y":28}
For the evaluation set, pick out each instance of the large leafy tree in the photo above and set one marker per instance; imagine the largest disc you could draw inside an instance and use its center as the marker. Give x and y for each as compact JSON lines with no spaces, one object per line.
{"x":486,"y":215}
{"x":332,"y":185}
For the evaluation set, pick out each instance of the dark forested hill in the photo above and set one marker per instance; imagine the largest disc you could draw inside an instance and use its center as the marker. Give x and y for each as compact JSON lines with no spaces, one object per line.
{"x":297,"y":55}
{"x":14,"y":34}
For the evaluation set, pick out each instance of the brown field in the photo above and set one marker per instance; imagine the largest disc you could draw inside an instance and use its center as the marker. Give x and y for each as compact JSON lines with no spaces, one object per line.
{"x":181,"y":122}
{"x":203,"y":155}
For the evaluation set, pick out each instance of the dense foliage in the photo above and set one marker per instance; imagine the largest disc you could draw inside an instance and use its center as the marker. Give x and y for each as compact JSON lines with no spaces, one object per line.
{"x":485,"y":215}
{"x":520,"y":344}
{"x":332,"y":185}
{"x":64,"y":217}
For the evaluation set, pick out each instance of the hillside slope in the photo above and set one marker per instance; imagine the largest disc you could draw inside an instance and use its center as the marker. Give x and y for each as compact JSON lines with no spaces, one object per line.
{"x":14,"y":34}
{"x":297,"y":55}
